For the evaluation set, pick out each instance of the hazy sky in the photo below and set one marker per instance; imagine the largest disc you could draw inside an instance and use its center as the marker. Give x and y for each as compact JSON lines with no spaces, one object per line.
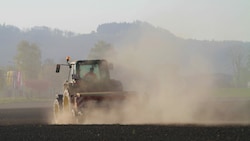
{"x":197,"y":19}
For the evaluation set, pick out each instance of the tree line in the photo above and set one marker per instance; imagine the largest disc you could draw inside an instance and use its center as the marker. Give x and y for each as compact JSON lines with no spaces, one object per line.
{"x":28,"y":61}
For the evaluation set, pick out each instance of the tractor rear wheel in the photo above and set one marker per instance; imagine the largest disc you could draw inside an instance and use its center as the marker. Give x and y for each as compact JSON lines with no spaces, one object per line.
{"x":68,"y":111}
{"x":66,"y":105}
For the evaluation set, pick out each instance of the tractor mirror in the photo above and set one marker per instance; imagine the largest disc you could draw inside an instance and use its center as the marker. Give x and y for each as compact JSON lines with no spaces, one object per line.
{"x":58,"y":68}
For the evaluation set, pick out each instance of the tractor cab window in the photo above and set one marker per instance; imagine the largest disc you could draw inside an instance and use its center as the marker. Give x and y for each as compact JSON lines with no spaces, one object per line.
{"x":88,"y":71}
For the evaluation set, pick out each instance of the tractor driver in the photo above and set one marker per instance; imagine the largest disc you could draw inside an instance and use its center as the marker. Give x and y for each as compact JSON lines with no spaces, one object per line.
{"x":90,"y":76}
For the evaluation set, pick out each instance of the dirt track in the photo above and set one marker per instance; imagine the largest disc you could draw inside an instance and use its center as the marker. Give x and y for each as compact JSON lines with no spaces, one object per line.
{"x":125,"y":132}
{"x":25,"y":113}
{"x":33,"y":124}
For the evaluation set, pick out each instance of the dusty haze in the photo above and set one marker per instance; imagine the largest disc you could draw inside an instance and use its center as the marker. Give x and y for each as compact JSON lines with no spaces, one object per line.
{"x":163,"y":95}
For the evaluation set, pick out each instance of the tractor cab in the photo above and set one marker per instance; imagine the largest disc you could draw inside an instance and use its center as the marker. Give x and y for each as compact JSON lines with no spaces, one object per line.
{"x":81,"y":68}
{"x":90,"y":75}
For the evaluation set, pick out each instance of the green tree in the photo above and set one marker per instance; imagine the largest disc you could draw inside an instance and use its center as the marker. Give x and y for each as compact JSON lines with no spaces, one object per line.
{"x":101,"y":50}
{"x":28,"y":59}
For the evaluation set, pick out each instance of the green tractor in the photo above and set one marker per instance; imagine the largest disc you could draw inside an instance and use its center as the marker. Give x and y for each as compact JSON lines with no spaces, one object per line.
{"x":88,"y":80}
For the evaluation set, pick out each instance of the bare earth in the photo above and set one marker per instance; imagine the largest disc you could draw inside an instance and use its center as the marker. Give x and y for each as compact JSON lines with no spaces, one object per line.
{"x":23,"y":122}
{"x":124,"y":132}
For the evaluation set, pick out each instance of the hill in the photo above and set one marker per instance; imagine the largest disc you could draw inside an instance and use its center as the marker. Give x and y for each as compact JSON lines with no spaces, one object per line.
{"x":56,"y":44}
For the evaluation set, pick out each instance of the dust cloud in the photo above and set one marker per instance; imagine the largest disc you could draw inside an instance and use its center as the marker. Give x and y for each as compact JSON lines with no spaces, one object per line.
{"x":152,"y":69}
{"x":162,"y":90}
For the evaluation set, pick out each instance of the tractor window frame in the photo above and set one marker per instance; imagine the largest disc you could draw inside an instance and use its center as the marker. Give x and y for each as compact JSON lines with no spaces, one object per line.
{"x":101,"y":68}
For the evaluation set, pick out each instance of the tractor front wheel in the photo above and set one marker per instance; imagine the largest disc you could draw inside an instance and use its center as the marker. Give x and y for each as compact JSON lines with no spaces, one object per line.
{"x":57,"y":112}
